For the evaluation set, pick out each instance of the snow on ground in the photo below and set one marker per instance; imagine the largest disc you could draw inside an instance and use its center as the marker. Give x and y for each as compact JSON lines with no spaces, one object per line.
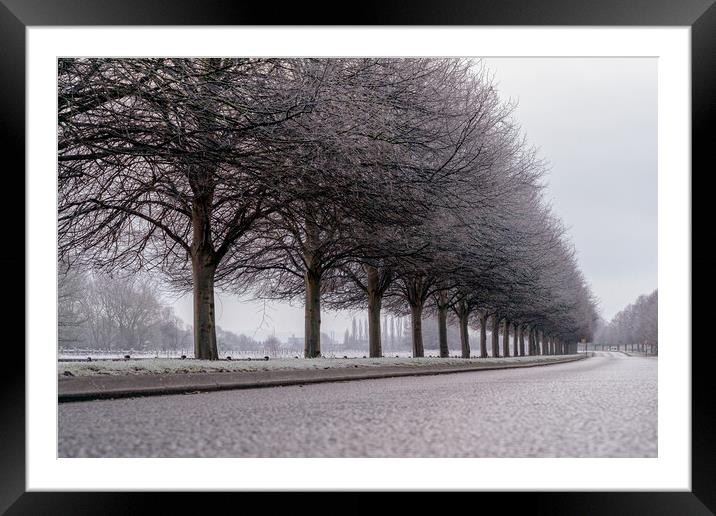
{"x":173,"y":365}
{"x":82,"y":354}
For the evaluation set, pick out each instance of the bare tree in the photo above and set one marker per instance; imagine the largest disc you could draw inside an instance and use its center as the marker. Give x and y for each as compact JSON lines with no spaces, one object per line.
{"x":167,"y":163}
{"x":71,"y":292}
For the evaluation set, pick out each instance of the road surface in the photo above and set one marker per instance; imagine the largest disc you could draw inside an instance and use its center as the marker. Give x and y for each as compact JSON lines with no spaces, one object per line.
{"x":605,"y":406}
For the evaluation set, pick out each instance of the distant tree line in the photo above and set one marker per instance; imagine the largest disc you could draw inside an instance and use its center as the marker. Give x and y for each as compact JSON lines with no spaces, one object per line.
{"x":400,"y":186}
{"x":114,"y":314}
{"x":100,"y":312}
{"x":635,"y":328}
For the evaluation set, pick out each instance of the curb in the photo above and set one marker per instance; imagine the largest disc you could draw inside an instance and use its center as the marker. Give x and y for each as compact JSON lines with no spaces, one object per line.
{"x":90,"y":388}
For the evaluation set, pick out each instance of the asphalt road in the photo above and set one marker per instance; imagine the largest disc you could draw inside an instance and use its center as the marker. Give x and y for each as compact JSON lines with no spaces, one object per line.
{"x":605,"y":406}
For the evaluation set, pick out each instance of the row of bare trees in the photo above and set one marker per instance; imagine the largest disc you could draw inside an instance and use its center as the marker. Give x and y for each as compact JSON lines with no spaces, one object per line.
{"x":400,"y":185}
{"x":636,"y":327}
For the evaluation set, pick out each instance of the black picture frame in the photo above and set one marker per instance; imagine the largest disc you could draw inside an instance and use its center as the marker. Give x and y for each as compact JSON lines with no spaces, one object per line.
{"x":17,"y":15}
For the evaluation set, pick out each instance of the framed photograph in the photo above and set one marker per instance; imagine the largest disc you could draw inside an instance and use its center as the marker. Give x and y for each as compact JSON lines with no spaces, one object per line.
{"x":427,"y":92}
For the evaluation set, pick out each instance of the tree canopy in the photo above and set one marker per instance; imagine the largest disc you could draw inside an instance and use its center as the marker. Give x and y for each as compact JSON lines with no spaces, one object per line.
{"x":395,"y":184}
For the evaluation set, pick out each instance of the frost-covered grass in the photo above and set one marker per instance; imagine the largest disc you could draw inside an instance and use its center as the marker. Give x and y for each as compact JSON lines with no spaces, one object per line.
{"x":171,"y":365}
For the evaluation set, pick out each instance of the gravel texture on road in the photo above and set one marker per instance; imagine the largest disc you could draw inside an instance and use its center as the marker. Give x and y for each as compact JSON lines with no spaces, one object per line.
{"x":605,"y":406}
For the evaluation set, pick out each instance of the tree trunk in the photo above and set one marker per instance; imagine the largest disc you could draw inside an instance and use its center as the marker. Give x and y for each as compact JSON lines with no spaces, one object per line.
{"x":483,"y":335}
{"x":374,"y":338}
{"x":531,"y":342}
{"x":522,"y":340}
{"x":203,"y":262}
{"x":312,"y":280}
{"x":538,"y":341}
{"x":312,"y":321}
{"x":416,"y":323}
{"x":464,"y":337}
{"x":205,"y":347}
{"x":442,"y":324}
{"x":506,"y":339}
{"x":495,"y":336}
{"x":375,"y":300}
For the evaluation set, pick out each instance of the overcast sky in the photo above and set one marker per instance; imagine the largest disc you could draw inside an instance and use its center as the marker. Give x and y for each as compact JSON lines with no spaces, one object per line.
{"x":595,"y":121}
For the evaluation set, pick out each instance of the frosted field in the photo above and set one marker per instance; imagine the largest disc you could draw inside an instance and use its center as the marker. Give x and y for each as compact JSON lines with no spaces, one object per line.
{"x":254,"y":354}
{"x":174,"y":365}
